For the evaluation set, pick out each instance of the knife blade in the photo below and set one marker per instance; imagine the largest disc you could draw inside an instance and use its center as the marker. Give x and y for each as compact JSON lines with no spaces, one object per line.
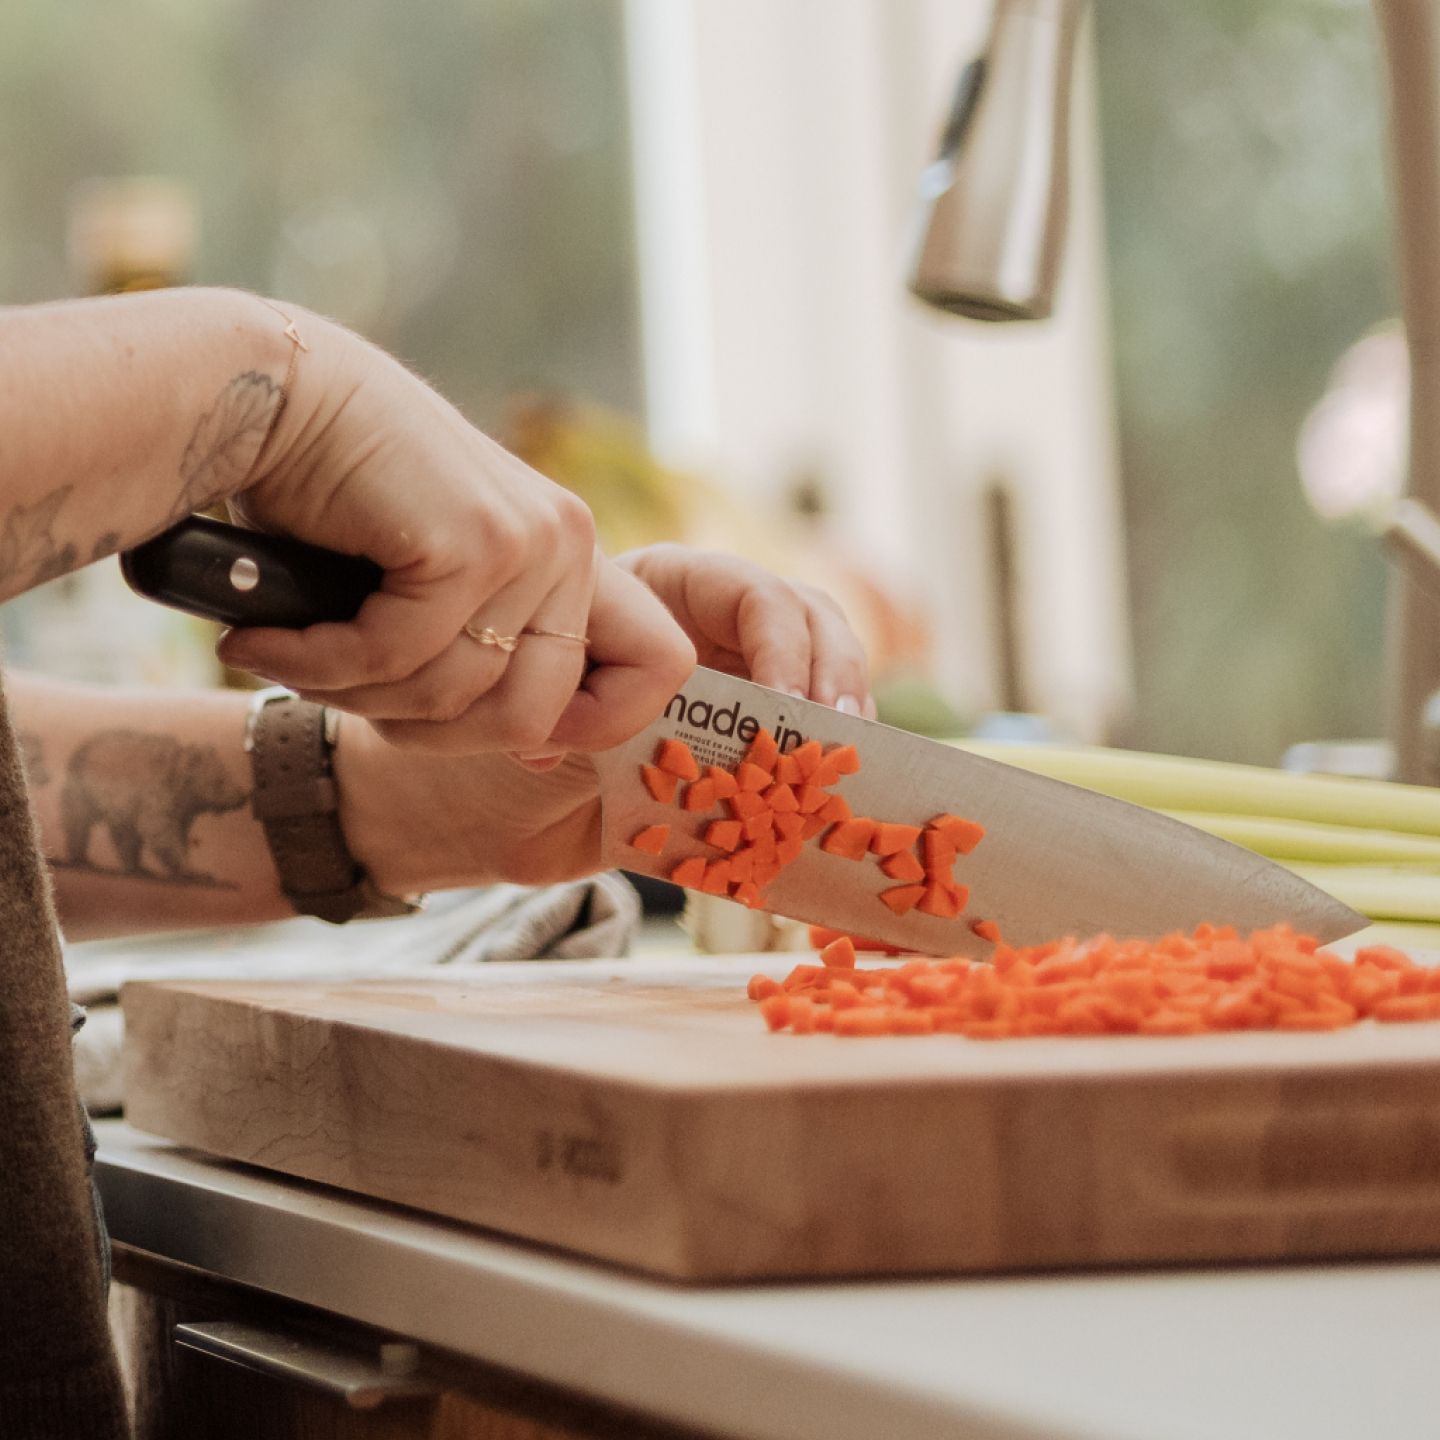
{"x":1056,"y":859}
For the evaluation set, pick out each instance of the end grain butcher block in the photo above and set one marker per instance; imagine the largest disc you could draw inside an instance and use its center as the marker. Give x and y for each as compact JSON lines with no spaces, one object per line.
{"x":639,"y":1112}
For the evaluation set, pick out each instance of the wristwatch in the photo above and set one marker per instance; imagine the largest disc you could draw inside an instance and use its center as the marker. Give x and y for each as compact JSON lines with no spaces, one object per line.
{"x":291,"y":744}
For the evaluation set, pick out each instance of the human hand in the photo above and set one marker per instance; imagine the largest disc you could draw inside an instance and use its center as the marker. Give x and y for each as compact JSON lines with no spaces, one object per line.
{"x":423,"y":822}
{"x":369,"y":460}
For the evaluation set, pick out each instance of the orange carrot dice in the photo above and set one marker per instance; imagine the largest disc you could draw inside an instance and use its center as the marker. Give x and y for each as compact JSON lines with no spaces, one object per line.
{"x":844,"y":759}
{"x":789,"y":826}
{"x":674,"y":758}
{"x":850,"y":839}
{"x":651,"y":840}
{"x":752,"y":778}
{"x":699,"y":796}
{"x":807,"y":758}
{"x":660,"y":783}
{"x":986,"y":930}
{"x":717,"y":878}
{"x":810,"y":798}
{"x":742,"y":865}
{"x":781,"y":798}
{"x":787,"y":772}
{"x":903,"y":866}
{"x":758,"y":826}
{"x":813,"y":826}
{"x":939,"y":900}
{"x":723,"y":834}
{"x":690,"y":873}
{"x":937,"y":850}
{"x":763,"y":751}
{"x":746,"y":803}
{"x":748,"y":893}
{"x":788,"y":851}
{"x":963,"y":834}
{"x":901,"y":898}
{"x":762,"y":987}
{"x":835,"y":809}
{"x":723,"y":780}
{"x":889,"y":839}
{"x":776,"y":1010}
{"x":839,"y":953}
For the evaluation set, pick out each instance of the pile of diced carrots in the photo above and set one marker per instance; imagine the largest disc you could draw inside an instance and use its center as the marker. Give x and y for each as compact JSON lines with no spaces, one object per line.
{"x":773,"y":802}
{"x":1210,"y":980}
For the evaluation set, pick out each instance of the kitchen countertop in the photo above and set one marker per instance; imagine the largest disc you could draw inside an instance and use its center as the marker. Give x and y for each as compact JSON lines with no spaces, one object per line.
{"x":1261,"y":1353}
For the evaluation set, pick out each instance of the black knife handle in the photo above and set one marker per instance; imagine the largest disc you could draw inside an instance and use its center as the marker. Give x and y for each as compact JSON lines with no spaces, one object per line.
{"x":243,"y":577}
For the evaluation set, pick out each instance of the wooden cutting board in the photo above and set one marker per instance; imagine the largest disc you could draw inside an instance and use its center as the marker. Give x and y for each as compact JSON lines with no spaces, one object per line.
{"x":638,"y":1112}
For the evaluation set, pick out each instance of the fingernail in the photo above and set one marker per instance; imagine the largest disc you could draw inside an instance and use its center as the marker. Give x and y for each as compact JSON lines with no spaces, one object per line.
{"x":798,"y":694}
{"x":848,"y":705}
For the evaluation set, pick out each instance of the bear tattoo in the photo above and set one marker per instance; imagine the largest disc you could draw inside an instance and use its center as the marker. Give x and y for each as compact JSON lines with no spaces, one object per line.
{"x":146,"y":790}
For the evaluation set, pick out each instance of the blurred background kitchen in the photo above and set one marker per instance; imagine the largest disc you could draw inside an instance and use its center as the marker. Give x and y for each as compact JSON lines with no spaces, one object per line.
{"x":658,"y":247}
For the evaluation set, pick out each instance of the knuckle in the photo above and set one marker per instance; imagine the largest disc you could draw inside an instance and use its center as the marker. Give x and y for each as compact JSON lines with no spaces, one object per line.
{"x":575,"y":522}
{"x":521,"y":727}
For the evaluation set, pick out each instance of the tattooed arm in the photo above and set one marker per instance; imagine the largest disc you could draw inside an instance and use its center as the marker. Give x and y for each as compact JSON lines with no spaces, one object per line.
{"x":120,"y":415}
{"x":142,"y":801}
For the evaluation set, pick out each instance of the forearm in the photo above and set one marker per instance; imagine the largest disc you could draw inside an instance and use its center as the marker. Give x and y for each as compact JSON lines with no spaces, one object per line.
{"x":142,"y":802}
{"x":121,"y":415}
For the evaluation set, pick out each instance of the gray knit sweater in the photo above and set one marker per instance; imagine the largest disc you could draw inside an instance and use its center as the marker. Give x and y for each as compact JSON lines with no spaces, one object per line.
{"x":58,"y":1375}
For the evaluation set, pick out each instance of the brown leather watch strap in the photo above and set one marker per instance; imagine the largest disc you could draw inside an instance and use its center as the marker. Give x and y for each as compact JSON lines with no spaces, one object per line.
{"x":297,"y":805}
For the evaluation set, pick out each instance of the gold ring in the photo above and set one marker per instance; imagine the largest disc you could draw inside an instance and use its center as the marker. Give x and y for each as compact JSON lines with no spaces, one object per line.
{"x":556,"y":634}
{"x":487,"y":636}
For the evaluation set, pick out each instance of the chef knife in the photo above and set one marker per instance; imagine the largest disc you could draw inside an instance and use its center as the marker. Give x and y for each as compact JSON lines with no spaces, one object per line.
{"x":1056,"y":859}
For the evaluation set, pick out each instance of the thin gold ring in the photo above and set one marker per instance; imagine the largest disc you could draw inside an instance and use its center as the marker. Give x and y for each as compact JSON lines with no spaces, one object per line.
{"x":487,"y":636}
{"x":556,"y":634}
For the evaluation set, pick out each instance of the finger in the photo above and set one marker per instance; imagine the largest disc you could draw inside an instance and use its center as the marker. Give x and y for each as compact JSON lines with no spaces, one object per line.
{"x":640,"y":657}
{"x":839,"y":672}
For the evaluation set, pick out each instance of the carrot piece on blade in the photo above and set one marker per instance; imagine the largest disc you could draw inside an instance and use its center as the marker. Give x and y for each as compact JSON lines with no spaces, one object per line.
{"x":674,"y":758}
{"x":850,"y":839}
{"x":839,"y":953}
{"x":763,"y":751}
{"x":723,"y":780}
{"x":963,"y":834}
{"x":690,"y":873}
{"x":699,"y":796}
{"x":723,"y":834}
{"x":889,"y":839}
{"x":901,"y":898}
{"x":651,"y":840}
{"x":903,"y":866}
{"x":660,"y":783}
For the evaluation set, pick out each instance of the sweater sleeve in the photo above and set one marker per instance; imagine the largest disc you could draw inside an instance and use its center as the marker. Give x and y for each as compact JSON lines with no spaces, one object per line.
{"x":58,"y":1376}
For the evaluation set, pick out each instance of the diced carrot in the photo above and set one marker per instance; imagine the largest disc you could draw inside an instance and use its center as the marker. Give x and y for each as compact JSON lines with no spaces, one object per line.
{"x":863,"y":1020}
{"x":839,"y":953}
{"x":723,"y":780}
{"x":986,"y":930}
{"x":789,"y":826}
{"x":844,"y":759}
{"x":901,"y":898}
{"x":723,"y":834}
{"x":940,"y":900}
{"x":651,"y":840}
{"x":781,"y":798}
{"x":674,"y":758}
{"x":819,"y":937}
{"x":660,"y":783}
{"x":777,"y":1010}
{"x":787,"y":772}
{"x":889,"y":839}
{"x":813,"y":826}
{"x":752,"y":779}
{"x":850,"y":839}
{"x":807,"y":757}
{"x":748,"y":893}
{"x":903,"y":866}
{"x":763,"y":751}
{"x":690,"y":873}
{"x":1407,"y":1007}
{"x":790,"y":850}
{"x":937,"y":850}
{"x":810,"y":799}
{"x":699,"y":796}
{"x":762,"y":987}
{"x":835,"y":809}
{"x":1383,"y":957}
{"x":756,"y":827}
{"x":746,"y":803}
{"x":963,"y":834}
{"x":717,"y":878}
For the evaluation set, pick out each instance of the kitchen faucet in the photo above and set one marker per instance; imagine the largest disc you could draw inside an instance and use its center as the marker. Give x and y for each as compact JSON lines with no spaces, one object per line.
{"x":991,"y":235}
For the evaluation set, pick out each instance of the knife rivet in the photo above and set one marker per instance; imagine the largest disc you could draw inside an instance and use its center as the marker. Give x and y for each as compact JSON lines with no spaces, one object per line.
{"x":244,"y":574}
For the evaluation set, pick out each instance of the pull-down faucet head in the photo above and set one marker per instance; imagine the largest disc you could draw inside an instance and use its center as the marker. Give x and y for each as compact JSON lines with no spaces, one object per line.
{"x":991,"y":229}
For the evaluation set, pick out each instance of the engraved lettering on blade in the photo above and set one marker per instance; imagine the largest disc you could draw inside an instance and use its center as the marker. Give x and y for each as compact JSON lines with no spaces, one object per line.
{"x":227,"y":441}
{"x":144,"y":792}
